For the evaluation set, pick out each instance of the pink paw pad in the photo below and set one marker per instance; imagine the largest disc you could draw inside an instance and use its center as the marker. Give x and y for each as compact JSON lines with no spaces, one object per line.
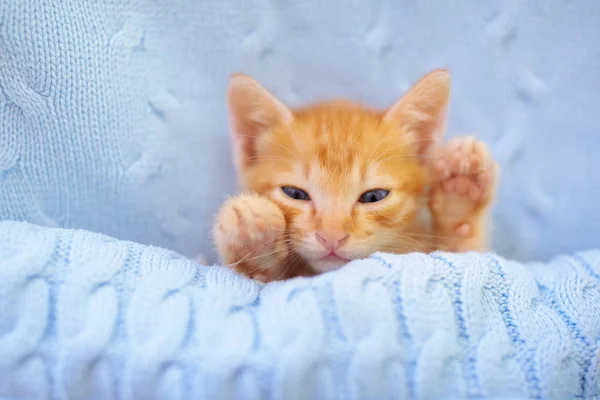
{"x":464,"y":230}
{"x":465,"y":167}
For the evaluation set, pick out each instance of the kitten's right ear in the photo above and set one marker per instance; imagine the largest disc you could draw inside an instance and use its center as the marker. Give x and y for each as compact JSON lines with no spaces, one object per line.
{"x":422,"y":110}
{"x":252,"y":112}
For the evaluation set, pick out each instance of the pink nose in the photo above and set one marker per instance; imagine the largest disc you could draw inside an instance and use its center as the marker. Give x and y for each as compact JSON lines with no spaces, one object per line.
{"x":332,"y":240}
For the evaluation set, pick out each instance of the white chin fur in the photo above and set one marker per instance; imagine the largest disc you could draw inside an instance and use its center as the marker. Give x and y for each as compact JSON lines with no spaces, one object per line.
{"x":326,"y":266}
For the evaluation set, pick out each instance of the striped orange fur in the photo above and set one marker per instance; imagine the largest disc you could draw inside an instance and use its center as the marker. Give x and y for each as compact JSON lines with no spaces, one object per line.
{"x":435,"y":195}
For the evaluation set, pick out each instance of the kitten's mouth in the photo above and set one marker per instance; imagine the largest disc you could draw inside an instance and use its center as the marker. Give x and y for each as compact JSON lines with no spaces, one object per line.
{"x":333,"y":257}
{"x":329,"y":262}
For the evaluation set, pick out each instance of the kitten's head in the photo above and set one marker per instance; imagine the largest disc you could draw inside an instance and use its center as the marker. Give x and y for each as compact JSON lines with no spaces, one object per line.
{"x":348,"y":179}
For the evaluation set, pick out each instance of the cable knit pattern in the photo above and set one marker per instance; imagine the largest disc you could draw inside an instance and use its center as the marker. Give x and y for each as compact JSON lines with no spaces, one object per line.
{"x":85,"y":316}
{"x":113,"y":118}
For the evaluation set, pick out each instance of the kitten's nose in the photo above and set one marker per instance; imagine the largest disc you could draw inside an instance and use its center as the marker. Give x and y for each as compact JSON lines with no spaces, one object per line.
{"x":333,"y":239}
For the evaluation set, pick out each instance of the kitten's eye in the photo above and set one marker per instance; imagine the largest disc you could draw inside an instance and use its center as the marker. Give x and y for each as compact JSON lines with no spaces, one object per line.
{"x":373,"y":196}
{"x":295,"y":193}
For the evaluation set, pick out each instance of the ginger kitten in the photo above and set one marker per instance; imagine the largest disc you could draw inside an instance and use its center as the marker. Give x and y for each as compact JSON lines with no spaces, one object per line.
{"x":334,"y":182}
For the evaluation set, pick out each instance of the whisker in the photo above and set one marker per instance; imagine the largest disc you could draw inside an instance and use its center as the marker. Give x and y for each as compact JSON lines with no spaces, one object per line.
{"x":253,"y":256}
{"x":276,"y":143}
{"x":377,"y":146}
{"x":431,"y":236}
{"x":275,"y":262}
{"x":424,"y":235}
{"x":275,"y":158}
{"x":404,"y":143}
{"x":403,"y":157}
{"x":293,"y":131}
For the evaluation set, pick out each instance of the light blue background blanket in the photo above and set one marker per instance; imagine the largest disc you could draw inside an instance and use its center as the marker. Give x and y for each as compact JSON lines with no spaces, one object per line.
{"x":85,"y":316}
{"x":112,"y":113}
{"x":112,"y":119}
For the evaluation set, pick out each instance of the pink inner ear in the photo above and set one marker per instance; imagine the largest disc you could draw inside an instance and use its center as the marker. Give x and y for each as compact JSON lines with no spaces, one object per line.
{"x":423,"y":110}
{"x":244,"y":132}
{"x":238,"y":153}
{"x":431,"y":132}
{"x":253,"y":111}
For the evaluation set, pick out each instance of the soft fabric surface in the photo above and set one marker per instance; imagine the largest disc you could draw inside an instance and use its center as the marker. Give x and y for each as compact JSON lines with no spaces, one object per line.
{"x":112,"y":113}
{"x":85,"y":316}
{"x":112,"y":119}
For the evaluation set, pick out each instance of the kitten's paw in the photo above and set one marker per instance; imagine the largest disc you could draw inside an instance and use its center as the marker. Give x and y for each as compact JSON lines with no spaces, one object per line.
{"x":465,"y":180}
{"x":466,"y":177}
{"x":465,"y":167}
{"x":249,"y":234}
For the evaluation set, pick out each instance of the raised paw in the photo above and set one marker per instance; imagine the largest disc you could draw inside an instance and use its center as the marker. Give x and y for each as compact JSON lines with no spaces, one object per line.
{"x":249,"y":235}
{"x":465,"y":178}
{"x":464,"y":171}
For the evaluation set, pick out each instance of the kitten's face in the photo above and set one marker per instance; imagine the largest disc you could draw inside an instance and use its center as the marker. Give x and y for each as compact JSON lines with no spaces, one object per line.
{"x":317,"y":171}
{"x":349,"y":180}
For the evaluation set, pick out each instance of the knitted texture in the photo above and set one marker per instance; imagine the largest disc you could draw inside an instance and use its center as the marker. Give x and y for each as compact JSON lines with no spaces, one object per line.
{"x":113,"y":116}
{"x":84,"y":316}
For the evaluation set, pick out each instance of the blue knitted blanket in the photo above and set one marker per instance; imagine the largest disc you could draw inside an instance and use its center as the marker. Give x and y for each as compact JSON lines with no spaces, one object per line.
{"x":85,"y":316}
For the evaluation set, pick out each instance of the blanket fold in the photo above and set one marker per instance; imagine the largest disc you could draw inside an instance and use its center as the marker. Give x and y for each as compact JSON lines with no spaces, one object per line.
{"x":84,"y":316}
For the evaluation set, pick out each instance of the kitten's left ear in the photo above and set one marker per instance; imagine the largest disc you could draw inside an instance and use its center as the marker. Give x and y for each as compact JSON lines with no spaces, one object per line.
{"x":422,"y":111}
{"x":253,"y":112}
